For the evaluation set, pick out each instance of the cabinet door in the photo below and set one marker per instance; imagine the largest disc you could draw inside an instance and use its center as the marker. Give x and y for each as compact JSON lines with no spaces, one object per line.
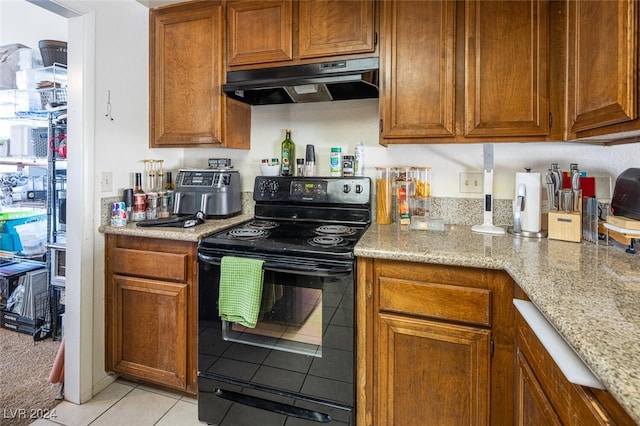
{"x":431,"y":372}
{"x":335,"y":27}
{"x":187,"y":107}
{"x":147,"y":335}
{"x":417,"y":71}
{"x":259,"y":32}
{"x":603,"y":63}
{"x":506,"y":68}
{"x":533,"y":408}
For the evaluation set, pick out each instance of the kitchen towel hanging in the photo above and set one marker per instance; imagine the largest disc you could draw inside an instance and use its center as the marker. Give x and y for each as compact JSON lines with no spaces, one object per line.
{"x":240,"y":290}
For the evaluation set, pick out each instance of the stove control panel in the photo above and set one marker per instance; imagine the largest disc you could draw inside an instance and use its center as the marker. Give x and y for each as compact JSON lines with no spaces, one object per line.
{"x":327,"y":190}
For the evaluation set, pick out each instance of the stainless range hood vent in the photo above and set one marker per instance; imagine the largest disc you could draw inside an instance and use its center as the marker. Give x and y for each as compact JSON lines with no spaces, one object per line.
{"x":320,"y":82}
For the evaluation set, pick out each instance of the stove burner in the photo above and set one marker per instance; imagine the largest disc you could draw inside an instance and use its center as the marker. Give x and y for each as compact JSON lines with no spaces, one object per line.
{"x":248,"y":233}
{"x":327,"y":241}
{"x":262,"y":224}
{"x":335,"y":230}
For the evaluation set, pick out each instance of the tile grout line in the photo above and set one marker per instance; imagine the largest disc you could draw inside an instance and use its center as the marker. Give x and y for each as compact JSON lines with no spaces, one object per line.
{"x":112,"y":405}
{"x":167,"y":412}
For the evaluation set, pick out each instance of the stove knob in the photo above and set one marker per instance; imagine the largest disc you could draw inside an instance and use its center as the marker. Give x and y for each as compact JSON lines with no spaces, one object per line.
{"x":359,"y":188}
{"x":346,"y":188}
{"x":274,"y":186}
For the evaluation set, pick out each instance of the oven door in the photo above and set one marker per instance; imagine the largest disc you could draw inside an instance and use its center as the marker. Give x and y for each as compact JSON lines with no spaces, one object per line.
{"x":298,"y":362}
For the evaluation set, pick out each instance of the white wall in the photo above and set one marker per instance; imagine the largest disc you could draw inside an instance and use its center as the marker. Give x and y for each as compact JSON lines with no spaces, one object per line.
{"x":344,"y":123}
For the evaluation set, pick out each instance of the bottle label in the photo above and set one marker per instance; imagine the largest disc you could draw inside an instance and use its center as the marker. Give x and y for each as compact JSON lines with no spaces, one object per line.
{"x":335,"y":164}
{"x":139,"y":203}
{"x":286,"y":164}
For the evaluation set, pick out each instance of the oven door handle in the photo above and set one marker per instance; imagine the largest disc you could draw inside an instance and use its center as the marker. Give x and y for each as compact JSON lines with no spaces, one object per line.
{"x":316,"y":268}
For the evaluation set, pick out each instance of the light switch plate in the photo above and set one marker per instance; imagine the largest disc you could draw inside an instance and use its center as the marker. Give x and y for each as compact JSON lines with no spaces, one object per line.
{"x":106,"y":182}
{"x":472,"y":182}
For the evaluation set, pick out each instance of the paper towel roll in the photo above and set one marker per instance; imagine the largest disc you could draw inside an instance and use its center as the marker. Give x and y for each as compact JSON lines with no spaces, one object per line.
{"x":530,"y":216}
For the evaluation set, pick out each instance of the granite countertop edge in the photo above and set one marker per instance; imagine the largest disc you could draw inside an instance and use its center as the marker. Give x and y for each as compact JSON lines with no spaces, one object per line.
{"x":193,"y":234}
{"x":588,"y":292}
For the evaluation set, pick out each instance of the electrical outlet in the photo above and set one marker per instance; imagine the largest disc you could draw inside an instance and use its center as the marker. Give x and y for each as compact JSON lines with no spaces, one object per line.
{"x":472,"y":182}
{"x":106,"y":183}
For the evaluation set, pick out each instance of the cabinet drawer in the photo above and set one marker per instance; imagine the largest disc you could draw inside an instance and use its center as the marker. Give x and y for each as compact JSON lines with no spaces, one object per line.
{"x":143,"y":263}
{"x":448,"y":302}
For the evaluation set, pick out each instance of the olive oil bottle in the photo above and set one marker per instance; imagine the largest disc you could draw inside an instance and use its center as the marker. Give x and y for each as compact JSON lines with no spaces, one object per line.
{"x":288,"y":155}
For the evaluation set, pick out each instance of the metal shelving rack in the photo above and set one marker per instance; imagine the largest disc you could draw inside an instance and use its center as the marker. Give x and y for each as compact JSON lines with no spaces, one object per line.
{"x":56,"y":214}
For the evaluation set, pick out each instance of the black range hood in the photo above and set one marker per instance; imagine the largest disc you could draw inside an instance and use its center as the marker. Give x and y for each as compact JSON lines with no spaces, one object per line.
{"x":319,"y":82}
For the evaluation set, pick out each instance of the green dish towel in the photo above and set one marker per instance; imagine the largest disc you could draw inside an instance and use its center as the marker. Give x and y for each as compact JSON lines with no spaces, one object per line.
{"x":240,"y":290}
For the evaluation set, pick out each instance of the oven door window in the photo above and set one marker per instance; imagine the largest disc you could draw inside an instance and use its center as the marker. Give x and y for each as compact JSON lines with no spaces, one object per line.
{"x":290,"y":316}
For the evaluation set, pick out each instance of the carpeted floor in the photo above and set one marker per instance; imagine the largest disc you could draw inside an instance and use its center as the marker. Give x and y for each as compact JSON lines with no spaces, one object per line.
{"x":25,"y":391}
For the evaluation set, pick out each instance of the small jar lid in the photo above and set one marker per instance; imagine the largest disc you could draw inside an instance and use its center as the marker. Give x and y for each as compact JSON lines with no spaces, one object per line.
{"x":300,"y":161}
{"x":336,"y":149}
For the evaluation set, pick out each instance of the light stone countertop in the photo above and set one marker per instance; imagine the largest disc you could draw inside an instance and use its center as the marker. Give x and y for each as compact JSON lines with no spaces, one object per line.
{"x":589,"y":292}
{"x":194,"y":233}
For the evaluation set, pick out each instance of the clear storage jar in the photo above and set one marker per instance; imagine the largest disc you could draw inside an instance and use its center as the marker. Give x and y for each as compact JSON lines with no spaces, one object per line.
{"x":420,"y":201}
{"x":384,"y":189}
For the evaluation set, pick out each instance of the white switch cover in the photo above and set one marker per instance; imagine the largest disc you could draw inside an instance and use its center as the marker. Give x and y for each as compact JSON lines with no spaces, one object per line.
{"x":106,"y":183}
{"x":472,"y":182}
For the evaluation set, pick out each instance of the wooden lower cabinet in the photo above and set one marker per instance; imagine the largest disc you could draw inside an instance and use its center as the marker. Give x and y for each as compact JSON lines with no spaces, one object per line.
{"x":545,"y":397}
{"x":150,"y":305}
{"x":435,"y":345}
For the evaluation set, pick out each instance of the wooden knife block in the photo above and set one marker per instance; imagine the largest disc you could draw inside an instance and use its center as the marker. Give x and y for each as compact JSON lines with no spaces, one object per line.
{"x":565,"y":226}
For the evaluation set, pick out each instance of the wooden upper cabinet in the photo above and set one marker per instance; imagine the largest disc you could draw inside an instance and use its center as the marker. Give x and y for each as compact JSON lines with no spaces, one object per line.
{"x":506,"y":68}
{"x":460,"y":72}
{"x":417,"y":70}
{"x":186,"y":70}
{"x":335,"y":27}
{"x":277,"y":33}
{"x":259,"y":32}
{"x":603,"y":65}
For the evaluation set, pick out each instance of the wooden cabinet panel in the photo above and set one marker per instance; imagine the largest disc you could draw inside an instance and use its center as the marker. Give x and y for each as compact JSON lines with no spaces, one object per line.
{"x":533,"y":406}
{"x":150,"y":330}
{"x":332,"y":27}
{"x":506,"y":68}
{"x":449,"y":302}
{"x":294,"y":32}
{"x":603,"y":64}
{"x":417,"y":70}
{"x":140,"y":263}
{"x":464,"y":72}
{"x":431,"y":373}
{"x":259,"y":32}
{"x":186,"y":65}
{"x":151,"y":311}
{"x":433,"y":365}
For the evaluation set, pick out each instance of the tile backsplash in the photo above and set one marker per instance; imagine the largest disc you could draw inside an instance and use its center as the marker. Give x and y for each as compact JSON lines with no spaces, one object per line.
{"x":454,"y":211}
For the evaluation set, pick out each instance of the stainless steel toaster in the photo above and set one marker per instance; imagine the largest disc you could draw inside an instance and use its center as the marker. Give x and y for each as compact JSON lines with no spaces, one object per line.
{"x":215,"y":192}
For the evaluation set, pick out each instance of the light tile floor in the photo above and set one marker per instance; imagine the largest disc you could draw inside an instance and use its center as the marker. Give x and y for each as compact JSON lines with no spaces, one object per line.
{"x":124,"y":403}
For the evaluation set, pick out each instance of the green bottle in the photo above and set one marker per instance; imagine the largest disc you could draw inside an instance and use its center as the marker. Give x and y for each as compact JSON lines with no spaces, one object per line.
{"x":288,"y":155}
